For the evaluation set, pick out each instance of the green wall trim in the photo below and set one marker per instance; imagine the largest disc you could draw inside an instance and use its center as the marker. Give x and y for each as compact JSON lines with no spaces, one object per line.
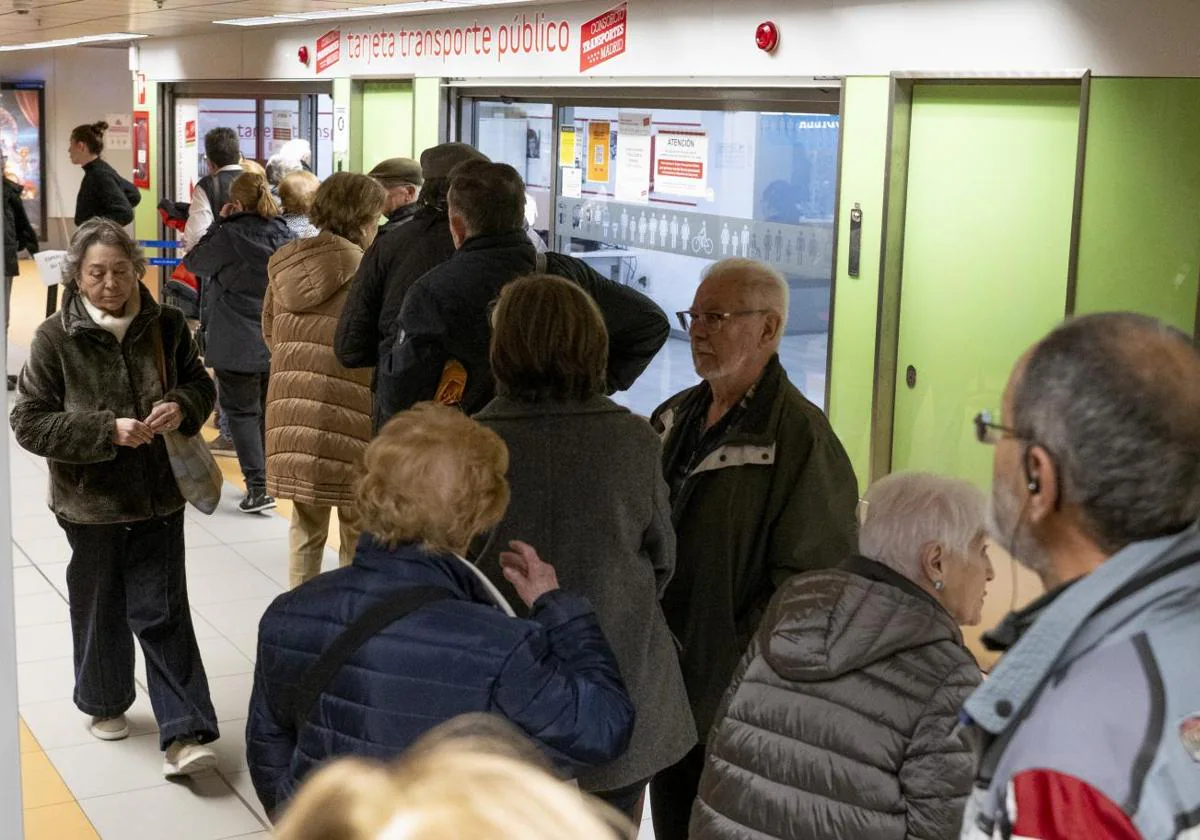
{"x":145,"y":215}
{"x":864,"y":150}
{"x":1140,"y":237}
{"x":427,"y":114}
{"x":342,"y":98}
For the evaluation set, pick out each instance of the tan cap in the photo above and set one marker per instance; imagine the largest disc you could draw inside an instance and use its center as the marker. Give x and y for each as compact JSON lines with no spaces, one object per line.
{"x":396,"y":171}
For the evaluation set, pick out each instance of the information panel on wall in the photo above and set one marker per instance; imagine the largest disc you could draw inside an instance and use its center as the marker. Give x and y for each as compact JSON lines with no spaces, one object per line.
{"x":23,"y":146}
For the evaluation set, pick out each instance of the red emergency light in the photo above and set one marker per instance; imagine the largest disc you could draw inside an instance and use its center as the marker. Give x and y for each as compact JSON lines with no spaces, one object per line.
{"x":302,"y":54}
{"x":767,"y":36}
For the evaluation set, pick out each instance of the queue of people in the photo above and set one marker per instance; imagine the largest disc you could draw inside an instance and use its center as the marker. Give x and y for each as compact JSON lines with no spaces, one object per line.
{"x":693,"y":608}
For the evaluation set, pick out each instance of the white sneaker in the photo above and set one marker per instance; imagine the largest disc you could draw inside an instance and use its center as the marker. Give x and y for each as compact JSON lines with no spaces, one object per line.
{"x":185,"y":757}
{"x":110,"y":729}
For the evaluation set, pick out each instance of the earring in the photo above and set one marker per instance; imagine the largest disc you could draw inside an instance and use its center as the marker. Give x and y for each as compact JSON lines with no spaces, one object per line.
{"x":939,"y":585}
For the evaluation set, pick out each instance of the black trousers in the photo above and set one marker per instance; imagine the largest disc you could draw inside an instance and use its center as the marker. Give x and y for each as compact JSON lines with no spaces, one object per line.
{"x":124,"y":581}
{"x":626,"y":799}
{"x":672,"y":794}
{"x":243,"y":398}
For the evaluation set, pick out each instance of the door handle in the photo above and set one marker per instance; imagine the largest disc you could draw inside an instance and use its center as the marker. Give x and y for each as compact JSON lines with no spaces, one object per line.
{"x":910,"y":377}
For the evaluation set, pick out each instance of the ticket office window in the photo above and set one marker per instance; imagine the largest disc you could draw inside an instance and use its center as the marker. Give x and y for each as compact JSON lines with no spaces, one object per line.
{"x":652,"y":197}
{"x":521,"y":134}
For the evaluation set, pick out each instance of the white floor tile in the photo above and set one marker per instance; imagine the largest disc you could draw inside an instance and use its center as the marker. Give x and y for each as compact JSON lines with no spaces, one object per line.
{"x":27,"y":580}
{"x":204,"y":808}
{"x":235,"y":618}
{"x":209,"y":560}
{"x":231,"y":747}
{"x":245,"y":789}
{"x":44,"y":641}
{"x":233,"y":526}
{"x":18,"y":557}
{"x":58,"y":723}
{"x":56,"y":574}
{"x":53,"y":549}
{"x":197,"y":536}
{"x":203,"y":629}
{"x":101,"y":768}
{"x":46,"y":608}
{"x":231,"y":696}
{"x":240,"y":585}
{"x":45,"y":681}
{"x":248,"y":646}
{"x":34,"y":526}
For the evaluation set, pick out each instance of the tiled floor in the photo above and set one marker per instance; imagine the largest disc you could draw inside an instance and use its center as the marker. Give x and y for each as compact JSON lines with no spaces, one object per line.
{"x":78,"y":788}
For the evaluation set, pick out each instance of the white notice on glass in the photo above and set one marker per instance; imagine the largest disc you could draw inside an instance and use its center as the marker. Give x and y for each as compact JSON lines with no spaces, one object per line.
{"x":572,"y":182}
{"x":341,"y":129}
{"x":633,"y":156}
{"x":681,"y":163}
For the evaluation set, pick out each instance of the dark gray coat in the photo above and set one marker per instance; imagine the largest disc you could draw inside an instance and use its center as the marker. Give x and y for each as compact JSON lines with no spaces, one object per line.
{"x":841,"y":719}
{"x":588,"y":494}
{"x":78,"y":381}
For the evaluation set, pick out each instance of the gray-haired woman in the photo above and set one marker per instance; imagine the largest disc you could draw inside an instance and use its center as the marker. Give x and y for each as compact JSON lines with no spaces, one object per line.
{"x":93,"y":404}
{"x":841,"y":718}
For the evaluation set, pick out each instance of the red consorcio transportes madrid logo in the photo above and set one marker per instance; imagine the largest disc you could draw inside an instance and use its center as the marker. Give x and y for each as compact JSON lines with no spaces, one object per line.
{"x":329,"y":49}
{"x":603,"y":38}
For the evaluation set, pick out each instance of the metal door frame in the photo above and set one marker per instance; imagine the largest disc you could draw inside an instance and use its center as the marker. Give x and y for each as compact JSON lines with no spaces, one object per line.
{"x":895,"y":201}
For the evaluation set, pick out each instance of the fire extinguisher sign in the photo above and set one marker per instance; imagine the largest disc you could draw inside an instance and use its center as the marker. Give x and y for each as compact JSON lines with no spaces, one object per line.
{"x":603,"y":38}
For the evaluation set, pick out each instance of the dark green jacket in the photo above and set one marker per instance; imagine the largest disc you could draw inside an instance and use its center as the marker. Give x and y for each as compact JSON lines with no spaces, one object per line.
{"x":78,"y":381}
{"x":777,"y":497}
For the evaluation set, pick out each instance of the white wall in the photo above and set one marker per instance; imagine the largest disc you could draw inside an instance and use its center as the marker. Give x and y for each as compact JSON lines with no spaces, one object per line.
{"x":669,"y":39}
{"x":83,"y":85}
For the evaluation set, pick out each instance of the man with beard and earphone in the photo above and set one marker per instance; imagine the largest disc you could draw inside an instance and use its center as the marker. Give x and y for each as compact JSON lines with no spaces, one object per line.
{"x":1090,"y":725}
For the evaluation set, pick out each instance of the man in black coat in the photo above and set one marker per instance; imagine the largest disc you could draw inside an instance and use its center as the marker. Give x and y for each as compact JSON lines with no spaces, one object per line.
{"x":396,"y":260}
{"x":445,"y":314}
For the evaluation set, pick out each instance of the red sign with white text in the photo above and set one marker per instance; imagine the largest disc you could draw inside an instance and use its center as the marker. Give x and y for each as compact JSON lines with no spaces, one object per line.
{"x":189,"y":132}
{"x":329,"y":49}
{"x":603,"y":38}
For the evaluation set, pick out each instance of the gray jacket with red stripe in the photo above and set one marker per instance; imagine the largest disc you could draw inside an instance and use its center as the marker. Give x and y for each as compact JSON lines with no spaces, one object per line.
{"x":1091,"y":722}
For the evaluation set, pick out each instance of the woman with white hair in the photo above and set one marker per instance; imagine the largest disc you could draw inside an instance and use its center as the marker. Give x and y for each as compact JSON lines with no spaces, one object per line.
{"x":841,"y":718}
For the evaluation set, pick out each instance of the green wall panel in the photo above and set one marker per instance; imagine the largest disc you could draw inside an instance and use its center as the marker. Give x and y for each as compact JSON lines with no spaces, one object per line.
{"x":387,"y":122}
{"x":145,"y":215}
{"x":427,"y":114}
{"x":852,"y":366}
{"x":1139,"y":243}
{"x":986,"y":249}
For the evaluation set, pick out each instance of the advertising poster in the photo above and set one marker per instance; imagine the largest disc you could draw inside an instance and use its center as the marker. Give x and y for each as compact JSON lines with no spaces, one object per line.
{"x":21,"y":143}
{"x":566,"y":145}
{"x":633,"y":156}
{"x":598,"y":151}
{"x":681,"y":163}
{"x":187,"y":148}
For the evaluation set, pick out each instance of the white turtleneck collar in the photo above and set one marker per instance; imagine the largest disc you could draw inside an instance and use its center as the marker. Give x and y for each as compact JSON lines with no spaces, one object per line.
{"x":117,"y":326}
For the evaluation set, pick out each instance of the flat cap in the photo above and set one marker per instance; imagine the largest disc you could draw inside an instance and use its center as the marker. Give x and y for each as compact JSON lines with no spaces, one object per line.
{"x":400,"y":170}
{"x":440,"y":160}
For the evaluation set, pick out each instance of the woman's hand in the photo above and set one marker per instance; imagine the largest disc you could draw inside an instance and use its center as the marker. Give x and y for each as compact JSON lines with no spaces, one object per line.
{"x":165,"y":417}
{"x":131,"y":433}
{"x":527,"y":573}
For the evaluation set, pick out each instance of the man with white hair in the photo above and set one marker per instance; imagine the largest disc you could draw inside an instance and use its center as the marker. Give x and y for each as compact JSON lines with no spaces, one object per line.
{"x":1090,"y":724}
{"x":761,"y":489}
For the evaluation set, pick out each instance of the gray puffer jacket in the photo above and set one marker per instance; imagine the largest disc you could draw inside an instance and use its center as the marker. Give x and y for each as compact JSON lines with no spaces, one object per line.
{"x":840,"y":722}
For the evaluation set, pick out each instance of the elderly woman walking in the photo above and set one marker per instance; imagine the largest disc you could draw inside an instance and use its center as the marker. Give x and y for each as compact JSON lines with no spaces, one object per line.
{"x":318,"y":412}
{"x":841,"y":718}
{"x":94,"y":403}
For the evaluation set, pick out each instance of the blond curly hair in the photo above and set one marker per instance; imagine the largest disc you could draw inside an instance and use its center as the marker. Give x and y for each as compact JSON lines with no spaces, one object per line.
{"x":433,"y":477}
{"x":455,"y":790}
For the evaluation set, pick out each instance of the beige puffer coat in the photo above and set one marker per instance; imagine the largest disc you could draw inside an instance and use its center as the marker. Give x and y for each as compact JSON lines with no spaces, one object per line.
{"x":318,"y":412}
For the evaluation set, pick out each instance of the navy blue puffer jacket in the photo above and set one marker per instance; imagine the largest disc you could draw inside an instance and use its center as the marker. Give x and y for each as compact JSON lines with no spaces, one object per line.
{"x":554,"y":676}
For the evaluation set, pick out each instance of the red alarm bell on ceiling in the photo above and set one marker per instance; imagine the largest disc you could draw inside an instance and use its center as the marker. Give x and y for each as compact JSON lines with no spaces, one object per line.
{"x":302,"y":54}
{"x":767,"y":36}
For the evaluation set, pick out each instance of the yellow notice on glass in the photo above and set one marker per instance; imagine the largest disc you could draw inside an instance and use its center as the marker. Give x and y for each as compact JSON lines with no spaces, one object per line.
{"x":566,"y":145}
{"x":598,"y":151}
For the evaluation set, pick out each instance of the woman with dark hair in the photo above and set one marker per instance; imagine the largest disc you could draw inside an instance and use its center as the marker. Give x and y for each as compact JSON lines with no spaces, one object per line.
{"x":318,"y":412}
{"x":586,"y":493}
{"x":103,"y":193}
{"x":108,"y":375}
{"x":232,"y":258}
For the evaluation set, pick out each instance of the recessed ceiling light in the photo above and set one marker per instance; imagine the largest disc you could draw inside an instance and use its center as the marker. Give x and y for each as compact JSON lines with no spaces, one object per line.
{"x":366,"y":11}
{"x":73,"y":42}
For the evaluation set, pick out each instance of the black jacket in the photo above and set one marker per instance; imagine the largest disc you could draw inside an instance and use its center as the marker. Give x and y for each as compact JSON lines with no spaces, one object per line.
{"x":233,"y":257}
{"x":79,"y":380}
{"x":388,"y":270}
{"x":445,"y":316}
{"x":106,"y":194}
{"x":18,"y":233}
{"x":398,"y":218}
{"x":776,"y":495}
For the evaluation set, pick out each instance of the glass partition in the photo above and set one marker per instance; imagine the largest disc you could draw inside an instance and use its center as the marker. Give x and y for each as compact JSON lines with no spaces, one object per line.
{"x":522,"y":135}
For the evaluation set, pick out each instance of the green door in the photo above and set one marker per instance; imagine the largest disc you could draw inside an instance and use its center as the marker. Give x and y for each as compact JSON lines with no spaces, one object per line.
{"x":986,"y":248}
{"x":387,"y":122}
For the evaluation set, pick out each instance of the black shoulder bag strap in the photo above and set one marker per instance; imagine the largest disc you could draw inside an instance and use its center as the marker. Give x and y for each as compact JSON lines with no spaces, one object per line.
{"x":391,"y":609}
